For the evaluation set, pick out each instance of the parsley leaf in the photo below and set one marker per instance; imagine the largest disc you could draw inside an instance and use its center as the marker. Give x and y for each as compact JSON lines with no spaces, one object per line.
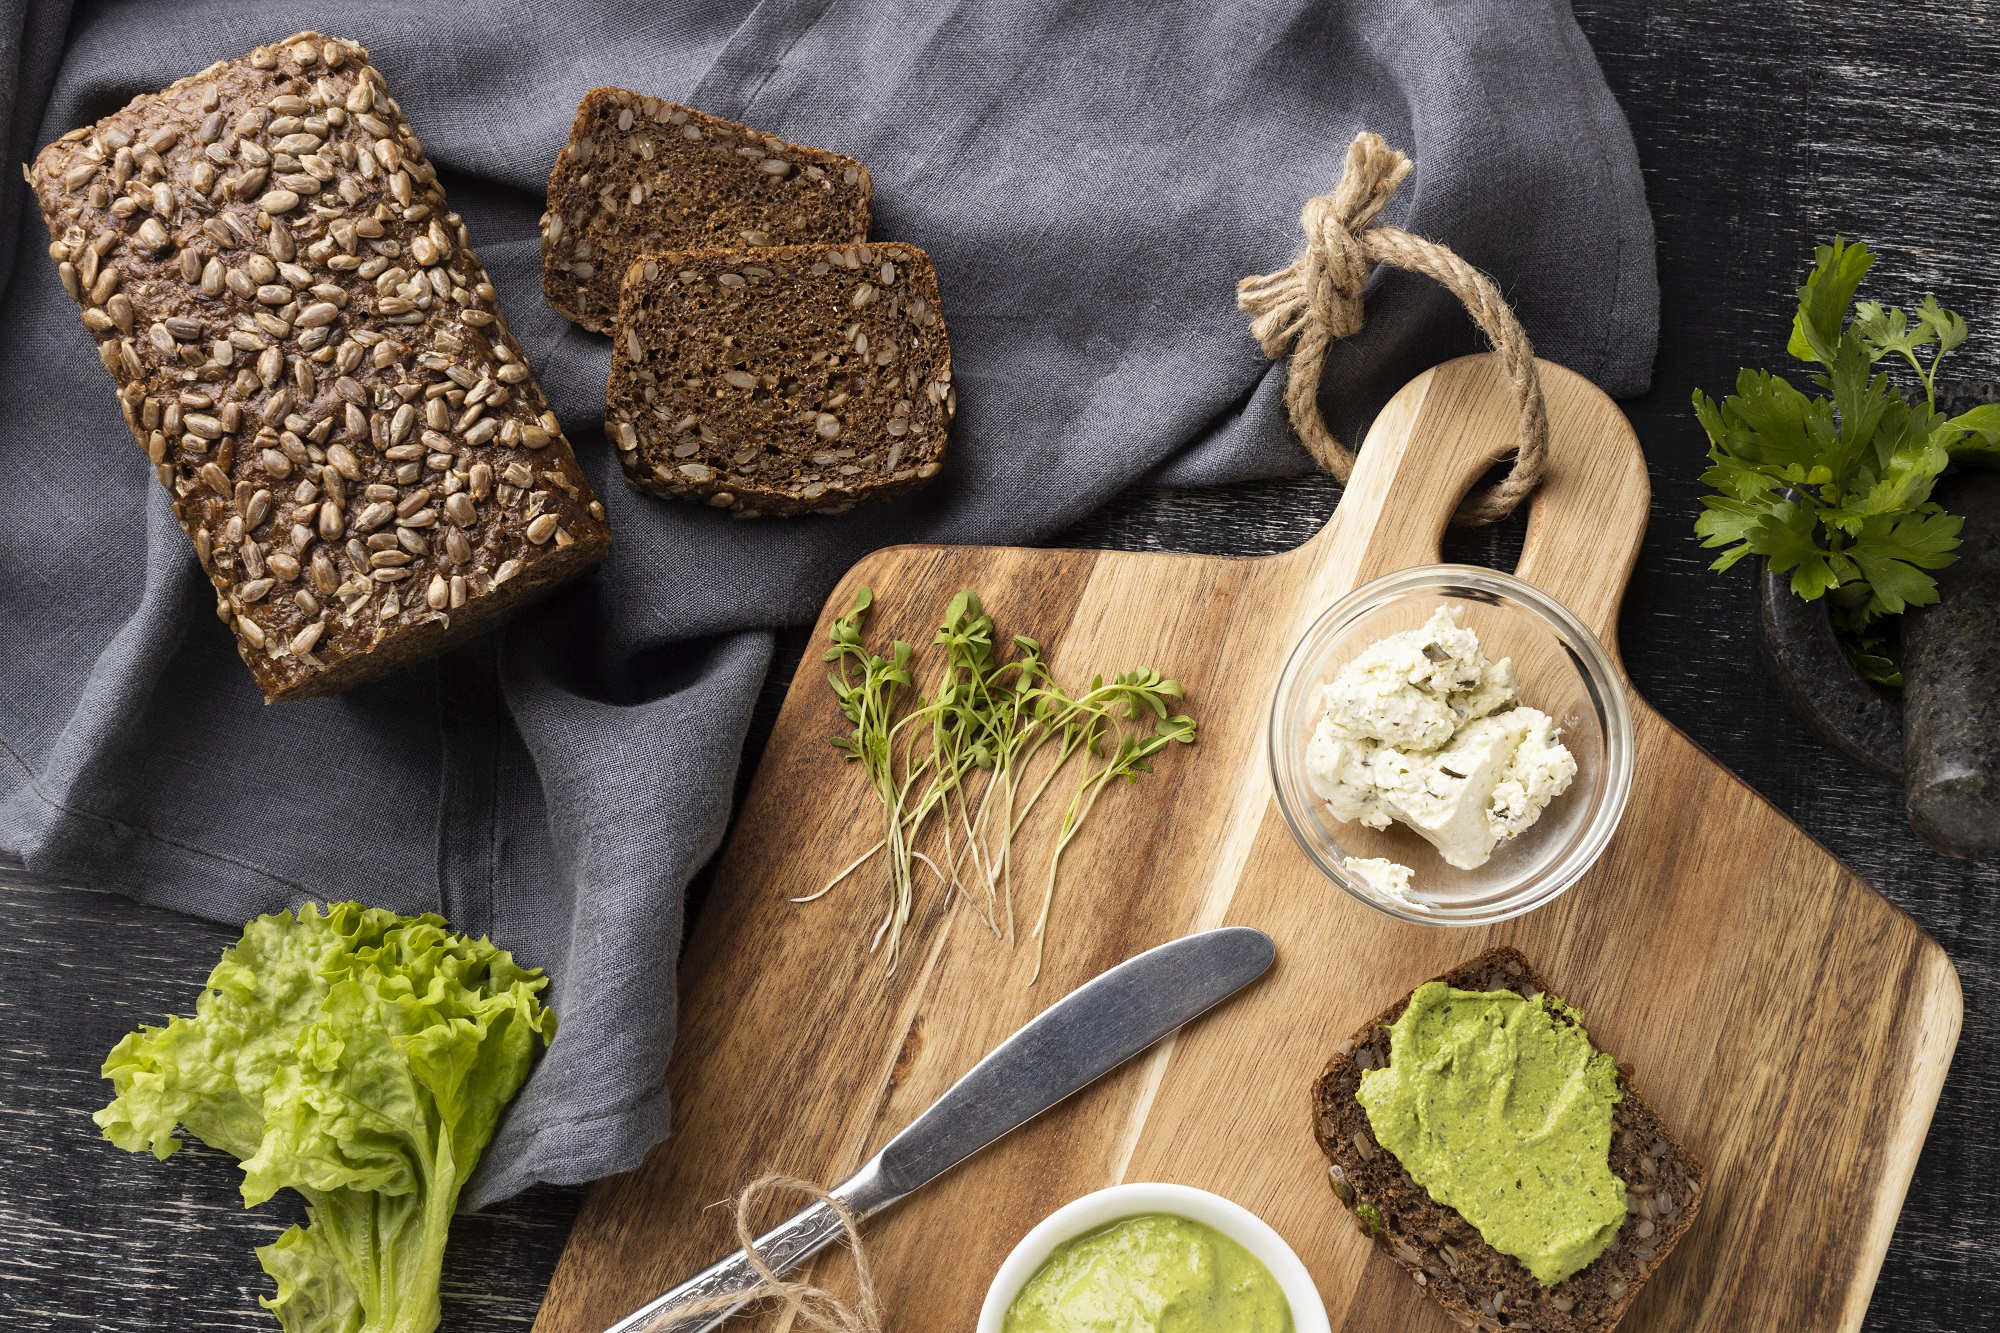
{"x":1893,"y":552}
{"x":1823,"y":301}
{"x":1981,"y":440}
{"x":1834,"y":488}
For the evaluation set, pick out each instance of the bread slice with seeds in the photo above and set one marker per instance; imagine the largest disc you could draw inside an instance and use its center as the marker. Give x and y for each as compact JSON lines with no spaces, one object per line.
{"x":785,"y":380}
{"x":640,"y":176}
{"x":1478,"y":1286}
{"x":315,"y":365}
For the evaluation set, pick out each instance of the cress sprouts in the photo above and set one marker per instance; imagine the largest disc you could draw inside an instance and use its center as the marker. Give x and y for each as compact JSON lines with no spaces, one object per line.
{"x":986,"y":724}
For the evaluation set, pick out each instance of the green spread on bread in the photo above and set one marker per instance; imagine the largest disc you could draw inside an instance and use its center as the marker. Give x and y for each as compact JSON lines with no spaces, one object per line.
{"x":1501,"y":1109}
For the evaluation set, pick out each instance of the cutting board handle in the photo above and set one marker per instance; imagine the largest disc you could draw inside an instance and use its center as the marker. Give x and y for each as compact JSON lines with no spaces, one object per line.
{"x":1442,"y":432}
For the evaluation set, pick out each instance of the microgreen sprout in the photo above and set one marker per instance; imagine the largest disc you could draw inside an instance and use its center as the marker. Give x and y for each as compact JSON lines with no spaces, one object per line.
{"x":986,"y":723}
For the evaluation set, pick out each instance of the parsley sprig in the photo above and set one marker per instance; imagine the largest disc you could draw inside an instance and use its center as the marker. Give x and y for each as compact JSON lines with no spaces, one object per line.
{"x":1835,"y":487}
{"x":988,"y":723}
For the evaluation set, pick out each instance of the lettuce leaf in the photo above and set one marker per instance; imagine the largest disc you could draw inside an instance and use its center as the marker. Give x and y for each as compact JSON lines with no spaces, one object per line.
{"x":356,"y":1056}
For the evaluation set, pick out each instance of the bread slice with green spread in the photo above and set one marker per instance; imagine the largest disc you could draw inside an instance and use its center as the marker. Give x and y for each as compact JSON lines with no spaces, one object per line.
{"x":1479,"y":1286}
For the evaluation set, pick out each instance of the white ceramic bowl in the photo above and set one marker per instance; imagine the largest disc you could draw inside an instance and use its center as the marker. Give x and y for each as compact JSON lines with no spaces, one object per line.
{"x":1563,"y":670}
{"x":1108,"y":1205}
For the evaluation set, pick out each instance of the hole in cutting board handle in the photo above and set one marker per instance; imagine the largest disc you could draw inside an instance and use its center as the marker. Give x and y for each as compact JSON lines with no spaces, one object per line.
{"x":1495,"y":546}
{"x":1432,"y":442}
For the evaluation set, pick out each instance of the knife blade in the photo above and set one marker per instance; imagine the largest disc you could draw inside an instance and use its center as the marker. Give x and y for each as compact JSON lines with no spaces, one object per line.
{"x":1075,"y":1041}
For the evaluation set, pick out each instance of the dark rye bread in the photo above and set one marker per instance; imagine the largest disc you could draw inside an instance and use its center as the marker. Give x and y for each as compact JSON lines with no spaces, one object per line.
{"x":313,"y":360}
{"x":1479,"y":1287}
{"x":640,"y":176}
{"x":781,"y":380}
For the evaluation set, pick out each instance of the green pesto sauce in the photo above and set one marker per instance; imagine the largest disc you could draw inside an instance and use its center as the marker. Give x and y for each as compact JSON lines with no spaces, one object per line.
{"x":1502,"y":1112}
{"x":1154,"y":1273}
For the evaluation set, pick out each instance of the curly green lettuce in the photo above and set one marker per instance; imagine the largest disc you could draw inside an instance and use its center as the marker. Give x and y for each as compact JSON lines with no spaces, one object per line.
{"x":361,"y":1058}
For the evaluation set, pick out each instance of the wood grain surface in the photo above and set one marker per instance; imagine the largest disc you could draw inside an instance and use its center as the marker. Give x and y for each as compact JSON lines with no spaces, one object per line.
{"x":1715,"y":946}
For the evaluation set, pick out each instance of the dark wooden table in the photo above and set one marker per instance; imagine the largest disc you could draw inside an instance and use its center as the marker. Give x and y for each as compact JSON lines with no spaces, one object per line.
{"x":1763,"y":125}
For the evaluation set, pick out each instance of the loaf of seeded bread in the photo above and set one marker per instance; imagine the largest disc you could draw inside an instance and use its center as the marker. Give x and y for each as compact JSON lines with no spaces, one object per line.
{"x":640,"y":176}
{"x":312,"y":358}
{"x":781,"y":380}
{"x":1478,"y":1286}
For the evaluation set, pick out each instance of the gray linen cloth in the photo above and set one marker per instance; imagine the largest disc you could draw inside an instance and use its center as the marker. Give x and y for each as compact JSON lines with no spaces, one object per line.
{"x":1091,"y":179}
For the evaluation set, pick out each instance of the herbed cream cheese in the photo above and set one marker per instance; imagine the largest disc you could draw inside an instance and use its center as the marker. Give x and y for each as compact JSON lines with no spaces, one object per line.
{"x":1421,"y":728}
{"x":1380,"y":874}
{"x":1416,"y":689}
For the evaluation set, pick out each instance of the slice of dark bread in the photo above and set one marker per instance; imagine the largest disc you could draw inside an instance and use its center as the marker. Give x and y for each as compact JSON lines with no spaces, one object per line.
{"x":640,"y":176}
{"x":785,"y":380}
{"x":1478,"y":1286}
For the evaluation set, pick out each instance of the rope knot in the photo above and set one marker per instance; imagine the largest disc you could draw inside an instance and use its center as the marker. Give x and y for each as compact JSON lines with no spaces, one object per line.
{"x":1318,"y":297}
{"x":1335,"y":269}
{"x":1337,"y":262}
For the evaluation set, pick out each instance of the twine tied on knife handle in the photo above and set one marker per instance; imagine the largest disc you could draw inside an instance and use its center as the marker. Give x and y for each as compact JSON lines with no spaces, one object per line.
{"x":803,"y":1305}
{"x":1316,"y":298}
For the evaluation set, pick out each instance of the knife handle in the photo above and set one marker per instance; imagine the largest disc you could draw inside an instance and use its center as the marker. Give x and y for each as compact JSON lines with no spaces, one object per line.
{"x":784,"y":1247}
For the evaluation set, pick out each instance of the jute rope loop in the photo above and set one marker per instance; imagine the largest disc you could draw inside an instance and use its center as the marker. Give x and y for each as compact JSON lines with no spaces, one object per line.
{"x":805,"y":1306}
{"x":1317,"y":298}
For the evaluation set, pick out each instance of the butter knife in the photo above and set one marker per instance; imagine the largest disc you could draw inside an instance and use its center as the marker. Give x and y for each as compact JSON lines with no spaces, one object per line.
{"x":1083,"y":1036}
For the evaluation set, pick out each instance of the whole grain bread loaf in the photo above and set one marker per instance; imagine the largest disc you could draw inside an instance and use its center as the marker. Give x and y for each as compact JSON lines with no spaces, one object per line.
{"x":640,"y":176}
{"x":1478,"y":1286}
{"x":312,"y":358}
{"x":781,"y":380}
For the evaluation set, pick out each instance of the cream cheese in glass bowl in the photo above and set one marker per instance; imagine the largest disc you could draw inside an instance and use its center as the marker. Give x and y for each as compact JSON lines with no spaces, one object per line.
{"x":1560,"y":691}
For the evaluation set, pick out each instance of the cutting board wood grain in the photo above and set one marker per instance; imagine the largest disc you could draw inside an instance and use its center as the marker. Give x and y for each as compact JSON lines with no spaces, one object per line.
{"x":1788,"y":1021}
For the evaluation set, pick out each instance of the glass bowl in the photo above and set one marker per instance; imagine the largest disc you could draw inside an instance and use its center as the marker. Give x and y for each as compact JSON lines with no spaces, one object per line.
{"x":1560,"y":668}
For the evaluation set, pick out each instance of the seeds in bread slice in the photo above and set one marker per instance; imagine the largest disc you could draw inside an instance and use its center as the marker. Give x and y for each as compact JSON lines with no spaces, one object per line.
{"x":640,"y":176}
{"x":785,"y":380}
{"x":1478,"y":1286}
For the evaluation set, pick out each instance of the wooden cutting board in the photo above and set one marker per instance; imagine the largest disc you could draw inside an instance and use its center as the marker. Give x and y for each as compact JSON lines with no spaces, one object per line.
{"x":1788,"y":1021}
